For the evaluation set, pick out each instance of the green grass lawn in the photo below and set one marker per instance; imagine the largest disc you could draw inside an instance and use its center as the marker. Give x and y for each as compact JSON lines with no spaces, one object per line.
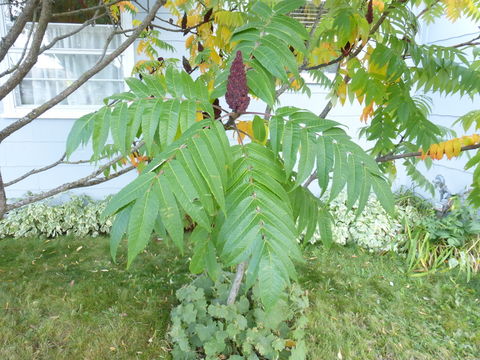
{"x":65,"y":299}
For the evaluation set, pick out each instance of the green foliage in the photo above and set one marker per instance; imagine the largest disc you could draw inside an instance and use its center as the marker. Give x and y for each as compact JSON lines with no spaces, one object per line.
{"x":79,"y":216}
{"x":244,"y":330}
{"x":249,"y":201}
{"x":443,"y":243}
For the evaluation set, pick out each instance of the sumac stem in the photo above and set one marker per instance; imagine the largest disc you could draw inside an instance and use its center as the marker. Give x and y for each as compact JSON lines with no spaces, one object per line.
{"x":236,"y":283}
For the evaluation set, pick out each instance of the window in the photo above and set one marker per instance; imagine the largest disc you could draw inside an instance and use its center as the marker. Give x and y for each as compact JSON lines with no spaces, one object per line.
{"x":307,"y":14}
{"x":59,"y":66}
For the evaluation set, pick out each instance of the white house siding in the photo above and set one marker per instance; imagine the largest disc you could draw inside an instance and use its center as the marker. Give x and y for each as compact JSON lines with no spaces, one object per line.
{"x":43,"y":141}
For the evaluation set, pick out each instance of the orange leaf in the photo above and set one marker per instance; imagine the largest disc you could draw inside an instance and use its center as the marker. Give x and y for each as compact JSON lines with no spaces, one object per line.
{"x":367,"y":112}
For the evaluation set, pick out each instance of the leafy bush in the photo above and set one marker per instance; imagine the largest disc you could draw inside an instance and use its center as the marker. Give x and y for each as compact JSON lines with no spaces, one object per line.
{"x":80,"y":216}
{"x":373,"y":229}
{"x":204,"y":327}
{"x":442,"y":243}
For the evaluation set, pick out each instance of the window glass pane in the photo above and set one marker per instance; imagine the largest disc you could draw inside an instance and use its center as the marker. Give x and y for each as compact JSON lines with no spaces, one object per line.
{"x":63,"y":63}
{"x":54,"y":72}
{"x":71,"y":66}
{"x":90,"y":37}
{"x":35,"y":92}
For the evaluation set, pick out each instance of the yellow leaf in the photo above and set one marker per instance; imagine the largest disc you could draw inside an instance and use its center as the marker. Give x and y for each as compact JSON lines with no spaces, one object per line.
{"x":432,"y":152}
{"x":246,"y":128}
{"x":457,"y":147}
{"x":141,"y":46}
{"x":342,"y":92}
{"x":199,"y":116}
{"x":449,"y":149}
{"x":467,"y":140}
{"x":189,"y":41}
{"x":440,"y":151}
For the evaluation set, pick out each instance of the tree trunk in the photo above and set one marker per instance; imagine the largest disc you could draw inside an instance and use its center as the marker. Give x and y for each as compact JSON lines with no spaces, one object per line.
{"x":3,"y":199}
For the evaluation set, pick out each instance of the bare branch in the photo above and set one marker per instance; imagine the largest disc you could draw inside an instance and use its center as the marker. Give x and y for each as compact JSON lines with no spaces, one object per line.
{"x":35,"y":171}
{"x":83,"y":182}
{"x":100,"y":65}
{"x":24,"y":51}
{"x":17,"y":28}
{"x":32,"y":56}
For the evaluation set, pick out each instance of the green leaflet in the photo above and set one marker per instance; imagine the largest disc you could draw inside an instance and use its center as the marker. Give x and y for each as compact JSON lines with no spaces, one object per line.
{"x":340,"y":171}
{"x":119,"y":125}
{"x":169,"y":121}
{"x":142,"y":220}
{"x":128,"y":194}
{"x":80,"y":133}
{"x":185,"y":192}
{"x":100,"y":129}
{"x":138,"y":87}
{"x":285,"y":6}
{"x":200,"y":239}
{"x":268,"y":58}
{"x":150,"y":121}
{"x":119,"y":229}
{"x":156,"y":85}
{"x":383,"y":192}
{"x":169,"y":212}
{"x":307,"y":157}
{"x":273,"y":279}
{"x":325,"y":160}
{"x":290,"y":144}
{"x":187,"y":114}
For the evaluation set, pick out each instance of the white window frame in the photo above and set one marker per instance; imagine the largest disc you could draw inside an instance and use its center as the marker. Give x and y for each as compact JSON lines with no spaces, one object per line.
{"x":13,"y":111}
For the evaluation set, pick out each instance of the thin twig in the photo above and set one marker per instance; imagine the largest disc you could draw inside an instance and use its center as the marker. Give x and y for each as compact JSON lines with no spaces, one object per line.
{"x":83,"y":182}
{"x":232,"y":296}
